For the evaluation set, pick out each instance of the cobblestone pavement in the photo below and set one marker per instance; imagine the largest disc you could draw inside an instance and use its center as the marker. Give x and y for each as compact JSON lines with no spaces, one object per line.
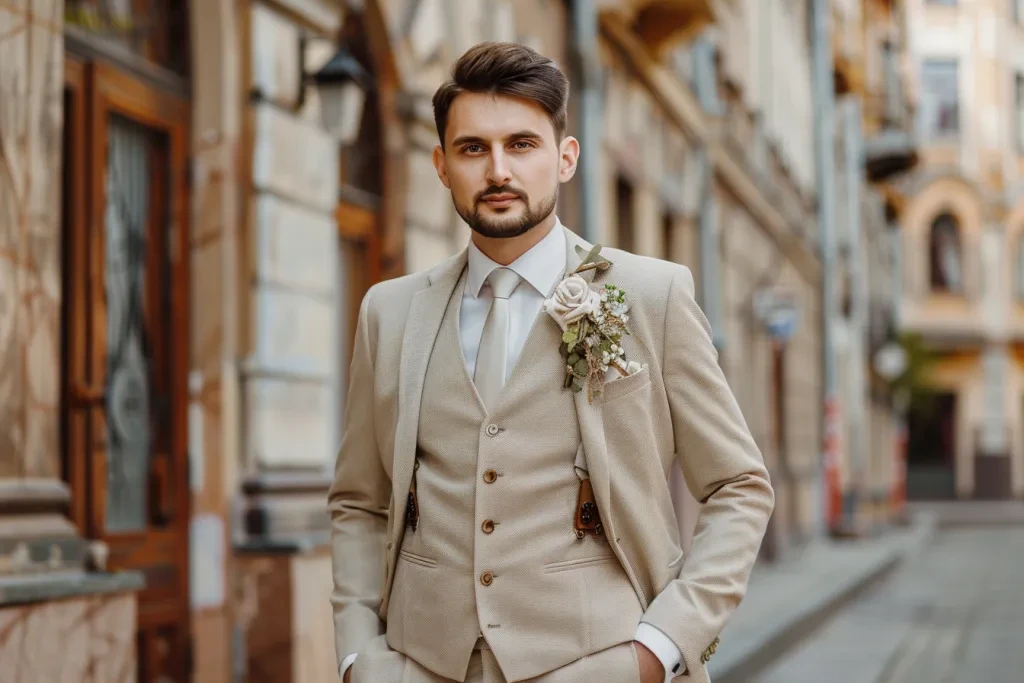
{"x":953,"y":613}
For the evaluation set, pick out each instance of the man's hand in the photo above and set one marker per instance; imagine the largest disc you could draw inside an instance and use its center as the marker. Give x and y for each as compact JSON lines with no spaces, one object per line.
{"x":651,"y":669}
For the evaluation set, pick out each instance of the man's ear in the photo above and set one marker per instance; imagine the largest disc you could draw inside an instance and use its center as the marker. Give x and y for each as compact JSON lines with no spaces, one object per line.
{"x":440,"y":167}
{"x":569,"y":156}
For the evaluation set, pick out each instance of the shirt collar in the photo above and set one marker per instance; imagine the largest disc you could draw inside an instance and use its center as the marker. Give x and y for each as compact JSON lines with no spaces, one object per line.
{"x":540,"y":266}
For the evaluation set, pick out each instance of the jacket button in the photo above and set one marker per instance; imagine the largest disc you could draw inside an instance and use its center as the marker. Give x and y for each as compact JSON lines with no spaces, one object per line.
{"x":488,"y":526}
{"x":487,"y":578}
{"x":492,"y":430}
{"x":490,"y":476}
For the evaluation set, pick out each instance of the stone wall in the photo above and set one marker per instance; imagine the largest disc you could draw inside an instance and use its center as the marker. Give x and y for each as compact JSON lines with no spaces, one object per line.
{"x":31,"y":84}
{"x":290,"y":371}
{"x":81,"y":640}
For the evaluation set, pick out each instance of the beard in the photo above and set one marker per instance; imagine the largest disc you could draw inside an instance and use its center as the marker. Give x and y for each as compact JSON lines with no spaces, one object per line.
{"x":512,"y":226}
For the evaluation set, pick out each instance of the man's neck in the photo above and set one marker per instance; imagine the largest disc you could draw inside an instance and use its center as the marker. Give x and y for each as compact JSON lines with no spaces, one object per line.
{"x":504,"y":251}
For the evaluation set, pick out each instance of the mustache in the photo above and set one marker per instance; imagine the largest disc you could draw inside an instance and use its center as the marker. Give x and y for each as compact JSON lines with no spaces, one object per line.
{"x":494,"y":189}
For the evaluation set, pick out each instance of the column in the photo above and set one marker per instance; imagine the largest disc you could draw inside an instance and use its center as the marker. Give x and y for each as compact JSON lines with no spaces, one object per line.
{"x":44,"y":563}
{"x":289,"y":351}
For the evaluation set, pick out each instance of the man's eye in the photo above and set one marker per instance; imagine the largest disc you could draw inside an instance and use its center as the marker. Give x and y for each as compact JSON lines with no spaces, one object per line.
{"x":523,"y":144}
{"x":472,"y":149}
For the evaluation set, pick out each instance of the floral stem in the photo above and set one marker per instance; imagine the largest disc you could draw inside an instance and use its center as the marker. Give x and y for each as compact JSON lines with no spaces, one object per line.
{"x":589,"y":266}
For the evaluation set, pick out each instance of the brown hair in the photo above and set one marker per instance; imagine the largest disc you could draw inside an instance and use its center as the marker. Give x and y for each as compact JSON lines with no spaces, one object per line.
{"x":506,"y":69}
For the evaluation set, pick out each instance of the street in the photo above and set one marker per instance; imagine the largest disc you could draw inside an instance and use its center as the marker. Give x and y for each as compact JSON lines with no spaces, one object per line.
{"x":952,"y":613}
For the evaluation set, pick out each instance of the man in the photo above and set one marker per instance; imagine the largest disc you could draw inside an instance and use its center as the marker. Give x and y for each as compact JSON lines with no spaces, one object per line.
{"x":500,"y":510}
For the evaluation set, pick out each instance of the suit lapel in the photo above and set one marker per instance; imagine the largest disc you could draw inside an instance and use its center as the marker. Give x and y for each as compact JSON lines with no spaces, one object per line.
{"x":425,"y":315}
{"x":589,"y":415}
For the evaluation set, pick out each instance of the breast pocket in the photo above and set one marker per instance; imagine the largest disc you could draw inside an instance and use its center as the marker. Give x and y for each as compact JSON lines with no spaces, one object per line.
{"x":626,"y":385}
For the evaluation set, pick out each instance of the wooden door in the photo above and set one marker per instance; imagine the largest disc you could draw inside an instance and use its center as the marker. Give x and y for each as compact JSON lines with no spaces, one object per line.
{"x":126,"y":340}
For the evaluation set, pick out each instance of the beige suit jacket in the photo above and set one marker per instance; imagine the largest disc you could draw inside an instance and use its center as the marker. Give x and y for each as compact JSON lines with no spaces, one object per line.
{"x":678,"y":408}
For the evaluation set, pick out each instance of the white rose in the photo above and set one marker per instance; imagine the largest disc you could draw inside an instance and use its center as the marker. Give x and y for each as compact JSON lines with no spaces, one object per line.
{"x":633,"y":367}
{"x":572,"y":300}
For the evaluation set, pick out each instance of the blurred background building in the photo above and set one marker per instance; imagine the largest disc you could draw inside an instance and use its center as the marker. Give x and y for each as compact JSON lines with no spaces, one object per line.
{"x":962,"y":248}
{"x":194,"y":197}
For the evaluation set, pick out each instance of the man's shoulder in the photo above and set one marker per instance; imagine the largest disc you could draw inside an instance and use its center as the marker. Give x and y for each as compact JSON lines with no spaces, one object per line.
{"x":394,"y":296}
{"x":649,"y":274}
{"x":396,"y":290}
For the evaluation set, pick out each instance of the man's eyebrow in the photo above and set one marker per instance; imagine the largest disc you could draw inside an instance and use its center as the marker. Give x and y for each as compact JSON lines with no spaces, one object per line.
{"x":518,"y":135}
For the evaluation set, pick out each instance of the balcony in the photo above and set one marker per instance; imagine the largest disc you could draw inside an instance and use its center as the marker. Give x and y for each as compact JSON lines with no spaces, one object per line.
{"x":890,"y":146}
{"x":660,"y":23}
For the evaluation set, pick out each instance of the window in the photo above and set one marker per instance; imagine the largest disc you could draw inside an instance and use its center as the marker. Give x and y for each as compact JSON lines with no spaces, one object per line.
{"x":945,"y":255}
{"x":1017,"y":10}
{"x":668,"y":232}
{"x":624,"y":208}
{"x":1018,"y":271}
{"x":940,"y":98}
{"x":156,"y":30}
{"x":1018,"y":112}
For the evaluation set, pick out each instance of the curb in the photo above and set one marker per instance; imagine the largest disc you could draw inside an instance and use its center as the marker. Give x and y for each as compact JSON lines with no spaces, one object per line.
{"x":776,"y":645}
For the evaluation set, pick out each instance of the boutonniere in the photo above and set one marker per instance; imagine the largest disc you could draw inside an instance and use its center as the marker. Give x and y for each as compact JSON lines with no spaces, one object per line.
{"x":593,"y":324}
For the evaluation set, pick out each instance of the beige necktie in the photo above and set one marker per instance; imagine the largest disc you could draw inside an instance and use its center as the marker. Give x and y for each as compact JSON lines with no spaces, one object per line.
{"x":492,"y":359}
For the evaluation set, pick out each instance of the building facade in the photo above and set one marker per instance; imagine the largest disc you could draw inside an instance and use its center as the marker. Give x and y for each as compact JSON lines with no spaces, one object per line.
{"x":876,"y":149}
{"x":961,"y":228}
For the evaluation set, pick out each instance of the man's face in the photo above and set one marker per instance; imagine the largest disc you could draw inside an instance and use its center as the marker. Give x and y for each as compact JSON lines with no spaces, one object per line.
{"x":502,"y":163}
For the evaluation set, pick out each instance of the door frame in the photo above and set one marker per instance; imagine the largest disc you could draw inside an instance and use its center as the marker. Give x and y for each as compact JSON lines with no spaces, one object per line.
{"x":95,"y":89}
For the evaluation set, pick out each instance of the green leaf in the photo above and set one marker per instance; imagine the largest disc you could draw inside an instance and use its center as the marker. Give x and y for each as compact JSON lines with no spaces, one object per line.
{"x":581,"y":368}
{"x":577,"y":385}
{"x":589,"y":257}
{"x":569,"y":337}
{"x":573,"y":359}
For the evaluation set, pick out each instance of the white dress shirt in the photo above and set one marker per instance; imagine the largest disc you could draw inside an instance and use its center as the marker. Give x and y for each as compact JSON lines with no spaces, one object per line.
{"x":541,"y":268}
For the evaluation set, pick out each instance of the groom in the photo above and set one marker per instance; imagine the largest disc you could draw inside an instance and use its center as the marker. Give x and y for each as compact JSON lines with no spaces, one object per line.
{"x":500,"y":508}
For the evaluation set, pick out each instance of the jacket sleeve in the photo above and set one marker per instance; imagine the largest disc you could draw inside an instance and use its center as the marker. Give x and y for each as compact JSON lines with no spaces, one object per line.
{"x":358,"y":503}
{"x":723,"y":469}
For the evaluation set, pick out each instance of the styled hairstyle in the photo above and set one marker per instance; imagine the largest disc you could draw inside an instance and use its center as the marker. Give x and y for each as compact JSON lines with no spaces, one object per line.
{"x":506,"y":69}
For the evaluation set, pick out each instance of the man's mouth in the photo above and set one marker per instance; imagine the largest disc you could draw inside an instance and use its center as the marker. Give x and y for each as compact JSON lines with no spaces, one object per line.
{"x":500,"y":201}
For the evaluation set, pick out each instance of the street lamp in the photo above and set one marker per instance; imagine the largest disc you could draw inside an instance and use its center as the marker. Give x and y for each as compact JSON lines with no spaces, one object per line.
{"x":341,"y":83}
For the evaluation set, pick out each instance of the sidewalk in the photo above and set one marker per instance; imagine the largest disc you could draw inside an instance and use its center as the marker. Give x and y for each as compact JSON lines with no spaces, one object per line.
{"x":788,"y":600}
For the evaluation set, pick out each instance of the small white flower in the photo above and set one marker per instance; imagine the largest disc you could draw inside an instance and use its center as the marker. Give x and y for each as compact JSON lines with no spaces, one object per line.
{"x":633,"y":367}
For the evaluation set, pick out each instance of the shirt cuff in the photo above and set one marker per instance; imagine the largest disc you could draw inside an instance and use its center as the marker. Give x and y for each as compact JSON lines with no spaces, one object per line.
{"x":345,"y":664}
{"x":662,"y":646}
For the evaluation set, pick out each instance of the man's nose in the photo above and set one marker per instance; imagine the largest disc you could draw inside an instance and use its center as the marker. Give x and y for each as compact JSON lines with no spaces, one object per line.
{"x":498,"y":170}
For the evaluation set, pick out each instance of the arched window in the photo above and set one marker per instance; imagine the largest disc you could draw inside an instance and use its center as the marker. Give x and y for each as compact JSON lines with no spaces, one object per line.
{"x":1018,"y":271}
{"x":945,"y":254}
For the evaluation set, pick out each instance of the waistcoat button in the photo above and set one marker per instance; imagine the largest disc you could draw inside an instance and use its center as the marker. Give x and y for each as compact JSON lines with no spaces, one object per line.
{"x":487,"y":578}
{"x":488,"y":526}
{"x":492,"y":430}
{"x":490,"y":476}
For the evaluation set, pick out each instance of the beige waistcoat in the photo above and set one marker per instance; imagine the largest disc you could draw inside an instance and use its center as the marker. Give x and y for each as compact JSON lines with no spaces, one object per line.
{"x":548,"y":597}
